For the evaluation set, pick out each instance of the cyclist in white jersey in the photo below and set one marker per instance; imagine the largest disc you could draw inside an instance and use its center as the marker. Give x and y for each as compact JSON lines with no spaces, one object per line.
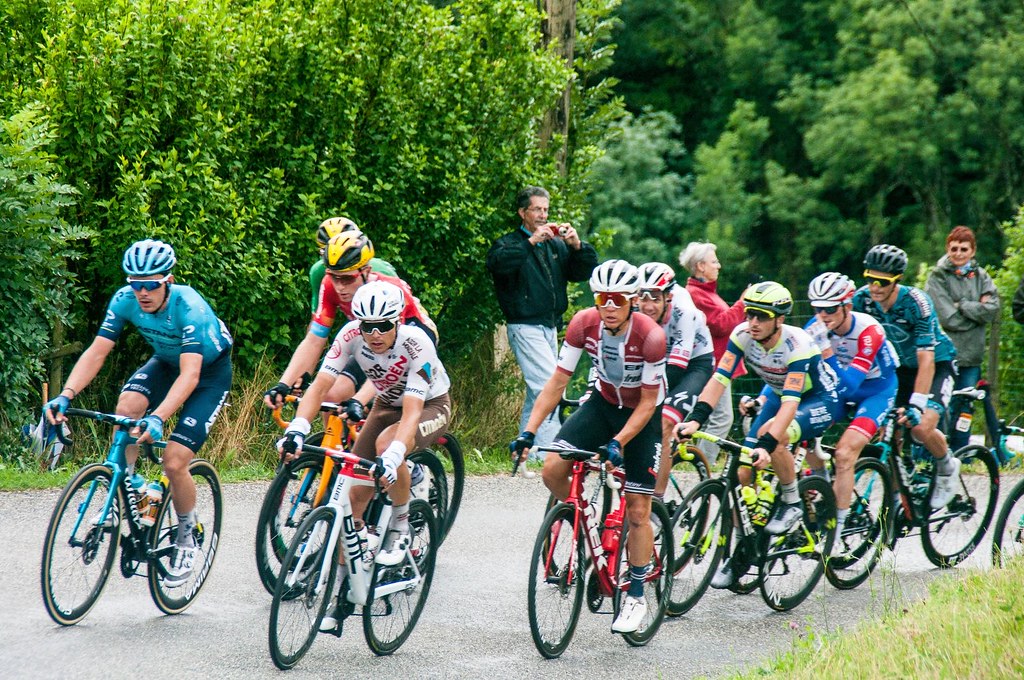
{"x":411,"y":410}
{"x":690,"y":358}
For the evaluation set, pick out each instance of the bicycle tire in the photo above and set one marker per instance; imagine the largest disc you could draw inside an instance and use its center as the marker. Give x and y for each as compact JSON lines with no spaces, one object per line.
{"x":868,"y":526}
{"x":556,"y":578}
{"x":91,"y":561}
{"x":681,"y":476}
{"x":658,"y":586}
{"x":456,"y":482}
{"x":698,"y":527}
{"x":951,"y":534}
{"x":209,"y":510}
{"x":388,"y":620}
{"x":297,"y":481}
{"x":437,"y":496}
{"x":301,"y":603}
{"x":1008,"y":539}
{"x":793,"y":562}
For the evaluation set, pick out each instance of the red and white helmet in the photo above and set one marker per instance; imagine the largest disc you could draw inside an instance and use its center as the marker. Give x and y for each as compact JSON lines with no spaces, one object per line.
{"x":656,"y":276}
{"x":830,"y":289}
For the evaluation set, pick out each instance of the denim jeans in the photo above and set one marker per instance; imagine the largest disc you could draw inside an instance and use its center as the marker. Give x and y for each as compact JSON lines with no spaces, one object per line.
{"x":536,"y":352}
{"x":968,"y":377}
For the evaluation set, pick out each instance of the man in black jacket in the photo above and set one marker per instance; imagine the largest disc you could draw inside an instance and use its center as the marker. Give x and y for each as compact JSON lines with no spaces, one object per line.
{"x":531,"y":267}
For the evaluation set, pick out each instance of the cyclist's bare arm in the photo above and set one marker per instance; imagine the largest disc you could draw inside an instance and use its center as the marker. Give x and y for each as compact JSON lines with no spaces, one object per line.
{"x":309,"y":407}
{"x":366,"y":393}
{"x":711,"y":394}
{"x":189,"y":367}
{"x":86,"y":368}
{"x":304,"y":360}
{"x":925,"y":371}
{"x":548,"y":399}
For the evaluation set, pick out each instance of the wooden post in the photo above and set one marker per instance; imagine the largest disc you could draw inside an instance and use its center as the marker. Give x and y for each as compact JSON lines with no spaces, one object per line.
{"x":57,"y":363}
{"x":559,"y":25}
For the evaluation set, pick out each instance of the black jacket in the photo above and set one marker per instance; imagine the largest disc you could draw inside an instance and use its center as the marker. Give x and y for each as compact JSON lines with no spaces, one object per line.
{"x":531,"y":280}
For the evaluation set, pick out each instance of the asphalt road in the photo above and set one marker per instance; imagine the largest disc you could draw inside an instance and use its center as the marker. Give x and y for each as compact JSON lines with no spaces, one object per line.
{"x":474,"y":624}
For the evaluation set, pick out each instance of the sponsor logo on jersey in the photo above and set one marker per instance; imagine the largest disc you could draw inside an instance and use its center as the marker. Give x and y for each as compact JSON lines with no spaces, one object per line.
{"x":335,"y":350}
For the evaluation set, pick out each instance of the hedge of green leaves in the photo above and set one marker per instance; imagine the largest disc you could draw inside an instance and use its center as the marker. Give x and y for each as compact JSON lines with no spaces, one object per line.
{"x":232,"y":129}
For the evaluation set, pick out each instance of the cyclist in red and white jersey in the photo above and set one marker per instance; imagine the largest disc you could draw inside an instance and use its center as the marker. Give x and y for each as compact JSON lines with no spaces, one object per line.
{"x":622,"y":415}
{"x":689,"y":353}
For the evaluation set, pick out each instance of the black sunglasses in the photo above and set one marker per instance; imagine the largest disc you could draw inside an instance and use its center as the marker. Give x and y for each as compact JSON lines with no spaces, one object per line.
{"x":758,"y":314}
{"x":827,"y":310}
{"x":382,"y":327}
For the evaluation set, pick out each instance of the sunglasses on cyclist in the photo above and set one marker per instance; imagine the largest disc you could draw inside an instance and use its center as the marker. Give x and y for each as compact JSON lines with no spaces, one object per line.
{"x":344,"y":279}
{"x":759,"y":314}
{"x":613,"y":300}
{"x":380,"y":327}
{"x":653,"y":294}
{"x":881,"y":281}
{"x":147,"y":284}
{"x":827,"y":310}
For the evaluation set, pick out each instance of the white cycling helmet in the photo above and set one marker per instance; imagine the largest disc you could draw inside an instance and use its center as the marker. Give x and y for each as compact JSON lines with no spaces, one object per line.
{"x":656,"y":276}
{"x":378,"y":301}
{"x":145,"y":258}
{"x":615,"y":276}
{"x":830,"y":289}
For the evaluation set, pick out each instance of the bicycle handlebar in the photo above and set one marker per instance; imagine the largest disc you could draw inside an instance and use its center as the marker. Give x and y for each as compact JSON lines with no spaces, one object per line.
{"x":725,"y":444}
{"x":371,"y":466}
{"x":111,"y":419}
{"x":325,"y":407}
{"x":612,"y":481}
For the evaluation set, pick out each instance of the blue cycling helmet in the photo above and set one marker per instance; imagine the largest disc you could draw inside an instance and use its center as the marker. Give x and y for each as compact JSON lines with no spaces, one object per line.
{"x":145,"y":258}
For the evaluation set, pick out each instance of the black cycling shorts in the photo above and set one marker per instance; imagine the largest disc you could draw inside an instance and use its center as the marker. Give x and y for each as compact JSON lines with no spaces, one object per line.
{"x":683,"y":394}
{"x":942,"y":385}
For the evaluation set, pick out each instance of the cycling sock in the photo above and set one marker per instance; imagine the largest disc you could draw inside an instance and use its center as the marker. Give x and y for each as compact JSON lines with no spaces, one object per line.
{"x":637,"y":576}
{"x":821,"y":472}
{"x":943,"y":466}
{"x":660,"y":496}
{"x":400,"y":518}
{"x":841,"y":515}
{"x":186,"y":523}
{"x":789,"y":493}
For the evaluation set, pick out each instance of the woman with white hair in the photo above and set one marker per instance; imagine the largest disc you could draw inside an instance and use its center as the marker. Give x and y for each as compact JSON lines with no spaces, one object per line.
{"x":701,"y":261}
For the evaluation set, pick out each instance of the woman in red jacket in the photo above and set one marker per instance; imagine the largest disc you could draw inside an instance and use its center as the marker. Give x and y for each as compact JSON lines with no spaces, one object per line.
{"x":701,"y":261}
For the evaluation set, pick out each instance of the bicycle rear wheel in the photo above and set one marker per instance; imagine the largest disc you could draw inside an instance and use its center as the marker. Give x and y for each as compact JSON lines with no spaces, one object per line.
{"x":952,"y":533}
{"x":1008,"y":539}
{"x":688,"y":469}
{"x":450,"y":447}
{"x":867,"y":528}
{"x":79,"y":547}
{"x":658,"y":585}
{"x":698,"y":527}
{"x":398,"y":593}
{"x":299,"y":605}
{"x":288,"y":501}
{"x":555,"y":591}
{"x":206,"y":533}
{"x":436,"y":489}
{"x":793,"y":562}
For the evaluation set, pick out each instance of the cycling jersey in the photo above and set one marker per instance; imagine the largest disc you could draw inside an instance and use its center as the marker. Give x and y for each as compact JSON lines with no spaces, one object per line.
{"x":910,"y":324}
{"x":792,"y":368}
{"x":317,"y":271}
{"x":410,"y":367}
{"x":329,"y":304}
{"x":624,"y":363}
{"x":863,"y":353}
{"x":686,"y":331}
{"x":185,"y":325}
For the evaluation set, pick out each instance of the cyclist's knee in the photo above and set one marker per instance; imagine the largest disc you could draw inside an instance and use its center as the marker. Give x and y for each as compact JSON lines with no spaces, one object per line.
{"x":132,"y":404}
{"x":176,"y":458}
{"x":638,"y":510}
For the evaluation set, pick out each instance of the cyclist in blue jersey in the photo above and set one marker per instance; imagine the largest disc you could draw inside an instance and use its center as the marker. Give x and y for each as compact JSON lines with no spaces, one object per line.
{"x":854,"y":344}
{"x":797,"y":402}
{"x":927,"y":357}
{"x":190,"y":369}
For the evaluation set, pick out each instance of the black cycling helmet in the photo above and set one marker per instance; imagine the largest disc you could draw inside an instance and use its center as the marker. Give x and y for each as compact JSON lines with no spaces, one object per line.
{"x":886,"y":258}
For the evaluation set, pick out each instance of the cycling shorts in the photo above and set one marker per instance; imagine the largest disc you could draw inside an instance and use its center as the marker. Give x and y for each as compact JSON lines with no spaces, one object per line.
{"x":870,"y":404}
{"x":437,"y":414}
{"x":154,"y":379}
{"x":942,"y":384}
{"x":813,"y":416}
{"x":683,"y":395}
{"x":354,"y":372}
{"x":596,"y":422}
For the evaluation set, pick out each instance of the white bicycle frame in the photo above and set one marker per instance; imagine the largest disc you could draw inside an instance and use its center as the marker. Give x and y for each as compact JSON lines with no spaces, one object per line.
{"x":360,"y":571}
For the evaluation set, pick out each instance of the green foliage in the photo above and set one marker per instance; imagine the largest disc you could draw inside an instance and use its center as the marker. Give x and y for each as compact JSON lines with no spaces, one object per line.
{"x":36,"y":244}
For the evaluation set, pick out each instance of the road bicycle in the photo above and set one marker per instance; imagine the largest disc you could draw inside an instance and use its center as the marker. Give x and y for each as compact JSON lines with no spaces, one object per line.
{"x":718,"y":520}
{"x":1008,"y":536}
{"x":961,"y":415}
{"x":390,"y":596}
{"x":302,"y":485}
{"x":573,"y":555}
{"x":98,"y":511}
{"x":948,"y":535}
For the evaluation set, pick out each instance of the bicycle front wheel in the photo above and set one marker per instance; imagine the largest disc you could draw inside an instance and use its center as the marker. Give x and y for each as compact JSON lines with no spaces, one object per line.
{"x":688,"y":469}
{"x":953,"y":532}
{"x":867,"y":528}
{"x":300,"y":599}
{"x":793,"y":561}
{"x":657,"y":585}
{"x":699,"y":527}
{"x":1008,"y":539}
{"x":398,"y":593}
{"x":289,"y":500}
{"x":80,"y":545}
{"x":205,"y":533}
{"x":555,"y":591}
